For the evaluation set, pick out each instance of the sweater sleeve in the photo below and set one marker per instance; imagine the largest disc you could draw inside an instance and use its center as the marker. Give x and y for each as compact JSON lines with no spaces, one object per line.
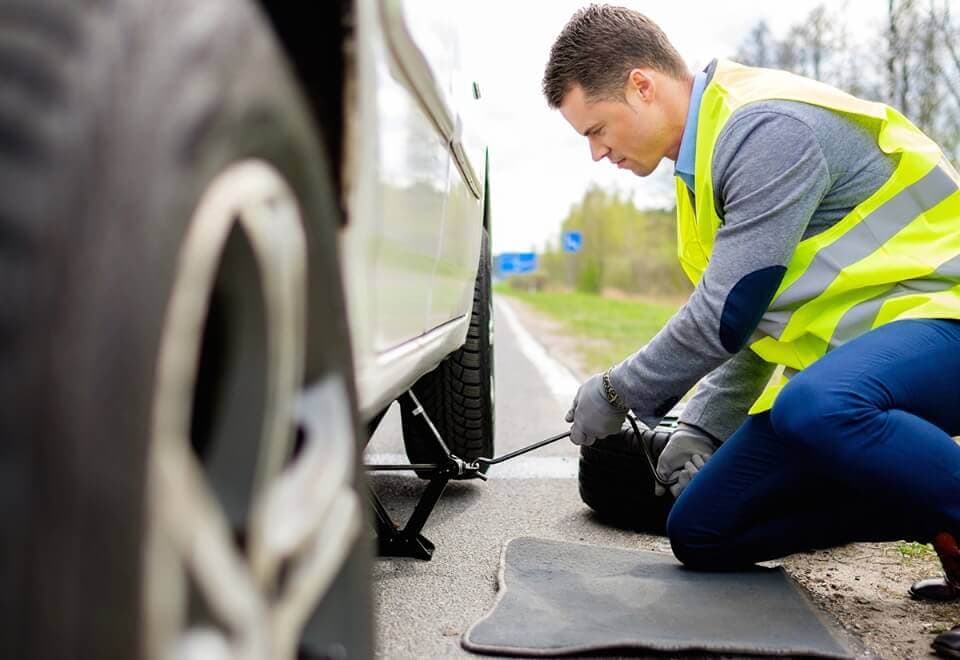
{"x":725,"y":395}
{"x":769,"y":177}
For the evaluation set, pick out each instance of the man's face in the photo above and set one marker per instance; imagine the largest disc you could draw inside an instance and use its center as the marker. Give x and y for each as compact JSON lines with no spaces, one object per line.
{"x":630,"y":133}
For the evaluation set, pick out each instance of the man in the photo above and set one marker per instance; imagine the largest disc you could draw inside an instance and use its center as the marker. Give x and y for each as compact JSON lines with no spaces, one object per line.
{"x":822,"y":233}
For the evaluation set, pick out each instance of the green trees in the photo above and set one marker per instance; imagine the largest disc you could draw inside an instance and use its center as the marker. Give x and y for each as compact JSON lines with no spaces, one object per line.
{"x":624,"y":248}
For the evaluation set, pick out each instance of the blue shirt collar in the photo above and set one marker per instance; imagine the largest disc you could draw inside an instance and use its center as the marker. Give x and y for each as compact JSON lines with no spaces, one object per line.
{"x":686,"y":159}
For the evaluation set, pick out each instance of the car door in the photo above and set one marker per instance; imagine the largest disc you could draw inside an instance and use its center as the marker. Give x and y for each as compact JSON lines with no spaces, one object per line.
{"x":457,"y":260}
{"x":434,"y":29}
{"x":413,"y":160}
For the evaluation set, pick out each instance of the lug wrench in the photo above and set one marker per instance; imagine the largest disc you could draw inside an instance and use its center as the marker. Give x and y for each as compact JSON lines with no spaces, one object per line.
{"x":651,"y":463}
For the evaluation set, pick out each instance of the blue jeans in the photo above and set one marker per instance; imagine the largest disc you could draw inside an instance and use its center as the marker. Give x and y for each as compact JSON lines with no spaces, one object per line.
{"x":857,"y":447}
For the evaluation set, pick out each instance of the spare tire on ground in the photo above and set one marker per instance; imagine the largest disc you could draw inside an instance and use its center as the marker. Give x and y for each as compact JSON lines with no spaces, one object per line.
{"x":616,"y":480}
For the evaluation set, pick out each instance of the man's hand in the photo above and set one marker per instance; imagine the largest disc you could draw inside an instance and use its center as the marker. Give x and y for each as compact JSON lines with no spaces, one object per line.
{"x":592,"y":414}
{"x":687,"y":450}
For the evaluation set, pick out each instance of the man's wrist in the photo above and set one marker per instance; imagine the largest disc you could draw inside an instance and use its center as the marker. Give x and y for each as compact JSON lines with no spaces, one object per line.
{"x":611,"y":394}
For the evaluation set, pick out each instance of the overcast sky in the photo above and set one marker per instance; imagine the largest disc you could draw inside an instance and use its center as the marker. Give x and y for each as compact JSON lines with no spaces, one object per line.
{"x":539,"y":165}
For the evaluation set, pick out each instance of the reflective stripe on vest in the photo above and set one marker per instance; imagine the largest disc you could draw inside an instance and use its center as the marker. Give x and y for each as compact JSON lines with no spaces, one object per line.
{"x":896,"y":255}
{"x":859,"y":242}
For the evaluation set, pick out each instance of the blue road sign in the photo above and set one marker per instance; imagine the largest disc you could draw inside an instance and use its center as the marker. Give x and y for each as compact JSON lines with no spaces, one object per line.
{"x":572,"y":241}
{"x":516,"y":263}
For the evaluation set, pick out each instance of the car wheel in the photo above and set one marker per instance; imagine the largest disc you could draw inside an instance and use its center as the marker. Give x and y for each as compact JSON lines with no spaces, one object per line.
{"x":616,"y":482}
{"x":459,"y":394}
{"x":169,"y":488}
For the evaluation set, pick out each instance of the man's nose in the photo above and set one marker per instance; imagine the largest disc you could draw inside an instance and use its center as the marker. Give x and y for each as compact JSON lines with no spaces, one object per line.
{"x":597,"y":149}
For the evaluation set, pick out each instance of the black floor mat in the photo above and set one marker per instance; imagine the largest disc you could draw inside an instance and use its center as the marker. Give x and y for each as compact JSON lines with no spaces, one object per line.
{"x":561,"y":598}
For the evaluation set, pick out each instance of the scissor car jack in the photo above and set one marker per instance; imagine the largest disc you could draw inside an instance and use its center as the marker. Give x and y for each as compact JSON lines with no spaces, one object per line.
{"x":394,"y":541}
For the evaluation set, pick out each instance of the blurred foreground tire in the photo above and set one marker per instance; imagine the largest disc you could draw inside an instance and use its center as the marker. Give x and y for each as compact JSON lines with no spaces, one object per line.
{"x":166,"y":482}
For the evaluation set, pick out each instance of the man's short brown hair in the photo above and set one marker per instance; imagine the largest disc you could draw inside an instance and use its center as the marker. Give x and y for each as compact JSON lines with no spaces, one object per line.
{"x":599,"y":46}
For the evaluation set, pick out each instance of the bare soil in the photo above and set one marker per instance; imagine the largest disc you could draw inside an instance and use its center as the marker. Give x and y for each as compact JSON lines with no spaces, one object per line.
{"x":862,"y":585}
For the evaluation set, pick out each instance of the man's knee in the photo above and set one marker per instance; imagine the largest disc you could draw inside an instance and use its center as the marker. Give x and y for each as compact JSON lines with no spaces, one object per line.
{"x":693,"y":544}
{"x":805,"y":412}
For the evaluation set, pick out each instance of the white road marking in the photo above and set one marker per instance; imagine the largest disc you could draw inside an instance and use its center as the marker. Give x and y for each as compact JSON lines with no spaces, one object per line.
{"x":521,"y":467}
{"x":559,"y":380}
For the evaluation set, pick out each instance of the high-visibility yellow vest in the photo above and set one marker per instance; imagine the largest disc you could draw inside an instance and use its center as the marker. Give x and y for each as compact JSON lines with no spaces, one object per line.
{"x":894,"y":256}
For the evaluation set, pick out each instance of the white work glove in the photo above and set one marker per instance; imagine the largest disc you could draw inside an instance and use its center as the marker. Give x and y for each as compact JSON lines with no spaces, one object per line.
{"x":592,"y":415}
{"x":687,"y":450}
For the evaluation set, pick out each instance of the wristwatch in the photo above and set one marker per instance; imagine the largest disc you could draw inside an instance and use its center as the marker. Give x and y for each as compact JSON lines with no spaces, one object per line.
{"x":611,"y":394}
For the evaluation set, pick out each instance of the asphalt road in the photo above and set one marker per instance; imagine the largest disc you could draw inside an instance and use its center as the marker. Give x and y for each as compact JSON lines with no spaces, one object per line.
{"x":423,"y":607}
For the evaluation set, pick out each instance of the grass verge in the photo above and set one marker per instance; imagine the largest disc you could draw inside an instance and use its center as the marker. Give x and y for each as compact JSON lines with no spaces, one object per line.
{"x":913,"y":550}
{"x":615,"y":328}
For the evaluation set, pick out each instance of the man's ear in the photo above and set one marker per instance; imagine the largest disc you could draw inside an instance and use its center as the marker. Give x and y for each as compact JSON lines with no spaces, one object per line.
{"x":641,"y":83}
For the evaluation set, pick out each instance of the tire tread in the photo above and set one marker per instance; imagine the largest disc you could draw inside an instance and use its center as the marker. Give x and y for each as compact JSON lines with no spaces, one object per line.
{"x":456,"y":395}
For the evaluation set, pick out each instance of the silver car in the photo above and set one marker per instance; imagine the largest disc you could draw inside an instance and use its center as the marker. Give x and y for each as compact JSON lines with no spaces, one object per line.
{"x":232,"y":233}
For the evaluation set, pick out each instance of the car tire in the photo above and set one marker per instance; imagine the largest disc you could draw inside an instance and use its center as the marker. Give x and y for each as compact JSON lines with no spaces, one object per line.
{"x":116,"y":120}
{"x":458,"y":395}
{"x":615,"y":480}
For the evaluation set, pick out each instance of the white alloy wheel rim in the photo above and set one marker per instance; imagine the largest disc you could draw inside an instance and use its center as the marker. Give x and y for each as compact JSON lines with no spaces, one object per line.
{"x":305,"y":514}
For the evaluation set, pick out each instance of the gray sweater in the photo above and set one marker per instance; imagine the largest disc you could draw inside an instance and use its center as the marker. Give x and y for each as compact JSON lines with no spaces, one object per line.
{"x":782,"y":171}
